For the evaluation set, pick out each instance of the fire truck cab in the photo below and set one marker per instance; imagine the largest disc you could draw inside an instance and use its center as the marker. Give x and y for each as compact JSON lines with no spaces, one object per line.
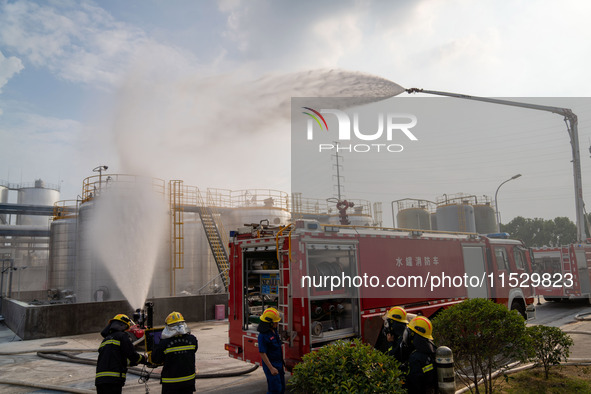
{"x":335,"y":282}
{"x":564,"y":272}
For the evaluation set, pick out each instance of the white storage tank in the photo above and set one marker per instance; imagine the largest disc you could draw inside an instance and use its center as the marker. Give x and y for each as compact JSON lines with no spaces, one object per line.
{"x":3,"y":200}
{"x":456,"y":217}
{"x":125,"y":227}
{"x":433,"y":217}
{"x":93,"y":282}
{"x":62,"y":253}
{"x":486,"y":221}
{"x":252,"y":206}
{"x":199,"y":264}
{"x":36,"y":194}
{"x":358,"y":215}
{"x":414,"y":218}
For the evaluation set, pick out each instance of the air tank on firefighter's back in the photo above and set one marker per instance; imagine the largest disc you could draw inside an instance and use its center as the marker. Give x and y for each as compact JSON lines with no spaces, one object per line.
{"x":456,"y":217}
{"x":484,"y":215}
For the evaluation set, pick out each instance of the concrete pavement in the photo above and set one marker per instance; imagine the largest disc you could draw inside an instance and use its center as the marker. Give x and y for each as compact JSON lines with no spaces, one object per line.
{"x":19,"y":361}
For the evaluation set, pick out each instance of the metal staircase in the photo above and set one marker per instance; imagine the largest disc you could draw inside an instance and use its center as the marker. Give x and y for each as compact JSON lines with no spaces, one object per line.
{"x":188,"y":199}
{"x":214,"y":238}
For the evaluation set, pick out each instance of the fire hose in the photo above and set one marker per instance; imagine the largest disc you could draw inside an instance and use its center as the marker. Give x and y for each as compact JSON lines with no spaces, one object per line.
{"x":63,"y":355}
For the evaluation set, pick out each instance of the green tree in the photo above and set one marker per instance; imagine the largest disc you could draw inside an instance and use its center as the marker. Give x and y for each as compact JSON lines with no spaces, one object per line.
{"x":483,"y":336}
{"x":541,"y":232}
{"x":549,"y":346}
{"x":346,"y":367}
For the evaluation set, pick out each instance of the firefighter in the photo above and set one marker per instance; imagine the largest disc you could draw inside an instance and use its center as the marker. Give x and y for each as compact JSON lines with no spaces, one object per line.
{"x":269,"y":345}
{"x":417,"y":353}
{"x":176,"y":350}
{"x":116,"y":352}
{"x":395,"y":322}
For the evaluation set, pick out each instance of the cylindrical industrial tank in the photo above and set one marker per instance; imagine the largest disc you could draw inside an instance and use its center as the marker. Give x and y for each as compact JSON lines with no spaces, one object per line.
{"x":39,"y":194}
{"x":199,"y":264}
{"x":3,"y":200}
{"x":358,"y":215}
{"x":486,"y":222}
{"x":414,"y":218}
{"x":31,"y":254}
{"x":456,"y":217}
{"x":252,"y":206}
{"x":92,"y":280}
{"x":433,"y":217}
{"x":62,"y":254}
{"x":237,"y":217}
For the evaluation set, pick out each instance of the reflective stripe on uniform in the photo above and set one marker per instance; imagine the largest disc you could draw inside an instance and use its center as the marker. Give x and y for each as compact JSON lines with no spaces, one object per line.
{"x":110,"y":374}
{"x":179,"y":349}
{"x":427,"y":368}
{"x":177,"y":380}
{"x":110,"y":342}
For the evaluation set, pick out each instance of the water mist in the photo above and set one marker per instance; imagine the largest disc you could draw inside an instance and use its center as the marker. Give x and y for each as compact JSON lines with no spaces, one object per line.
{"x":128,"y":230}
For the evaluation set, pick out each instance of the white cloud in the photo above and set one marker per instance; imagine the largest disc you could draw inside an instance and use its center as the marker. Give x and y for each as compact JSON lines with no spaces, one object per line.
{"x":8,"y":68}
{"x":81,"y":42}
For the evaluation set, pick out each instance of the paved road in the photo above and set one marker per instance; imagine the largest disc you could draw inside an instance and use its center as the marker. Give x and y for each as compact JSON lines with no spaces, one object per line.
{"x":558,"y":314}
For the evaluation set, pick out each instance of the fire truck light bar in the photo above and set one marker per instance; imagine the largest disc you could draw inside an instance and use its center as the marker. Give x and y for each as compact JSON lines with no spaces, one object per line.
{"x":498,"y":235}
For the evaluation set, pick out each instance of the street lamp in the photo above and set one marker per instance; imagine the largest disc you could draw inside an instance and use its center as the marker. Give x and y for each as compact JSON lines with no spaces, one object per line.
{"x":496,"y":204}
{"x":100,"y":170}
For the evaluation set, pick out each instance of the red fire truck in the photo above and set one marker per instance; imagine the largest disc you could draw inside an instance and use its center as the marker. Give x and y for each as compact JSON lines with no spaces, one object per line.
{"x":335,"y":282}
{"x":565,"y":272}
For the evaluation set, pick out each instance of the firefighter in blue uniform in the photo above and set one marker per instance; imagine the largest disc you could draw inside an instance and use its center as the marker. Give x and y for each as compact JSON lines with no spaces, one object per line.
{"x":271,"y":352}
{"x":116,"y":352}
{"x":176,"y":350}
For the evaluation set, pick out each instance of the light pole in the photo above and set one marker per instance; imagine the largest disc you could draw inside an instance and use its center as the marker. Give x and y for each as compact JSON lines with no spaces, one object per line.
{"x":100,"y":170}
{"x":497,"y":205}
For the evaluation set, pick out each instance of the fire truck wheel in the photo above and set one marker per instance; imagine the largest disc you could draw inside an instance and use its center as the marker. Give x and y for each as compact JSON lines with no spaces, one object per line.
{"x":518,"y":306}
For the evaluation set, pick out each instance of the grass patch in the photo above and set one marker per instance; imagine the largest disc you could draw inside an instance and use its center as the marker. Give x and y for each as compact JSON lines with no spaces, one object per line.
{"x":562,"y":380}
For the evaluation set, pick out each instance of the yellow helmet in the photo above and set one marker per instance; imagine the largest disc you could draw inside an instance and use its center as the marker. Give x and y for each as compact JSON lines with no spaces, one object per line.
{"x":271,"y":315}
{"x":422,"y":326}
{"x":173,"y":318}
{"x":123,"y":319}
{"x":397,"y":313}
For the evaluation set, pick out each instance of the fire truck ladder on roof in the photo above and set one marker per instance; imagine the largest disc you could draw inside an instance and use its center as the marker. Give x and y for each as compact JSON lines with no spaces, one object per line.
{"x":214,"y":239}
{"x":284,"y":290}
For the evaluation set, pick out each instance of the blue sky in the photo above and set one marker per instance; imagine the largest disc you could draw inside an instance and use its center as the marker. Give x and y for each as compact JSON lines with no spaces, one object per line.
{"x":199,"y":90}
